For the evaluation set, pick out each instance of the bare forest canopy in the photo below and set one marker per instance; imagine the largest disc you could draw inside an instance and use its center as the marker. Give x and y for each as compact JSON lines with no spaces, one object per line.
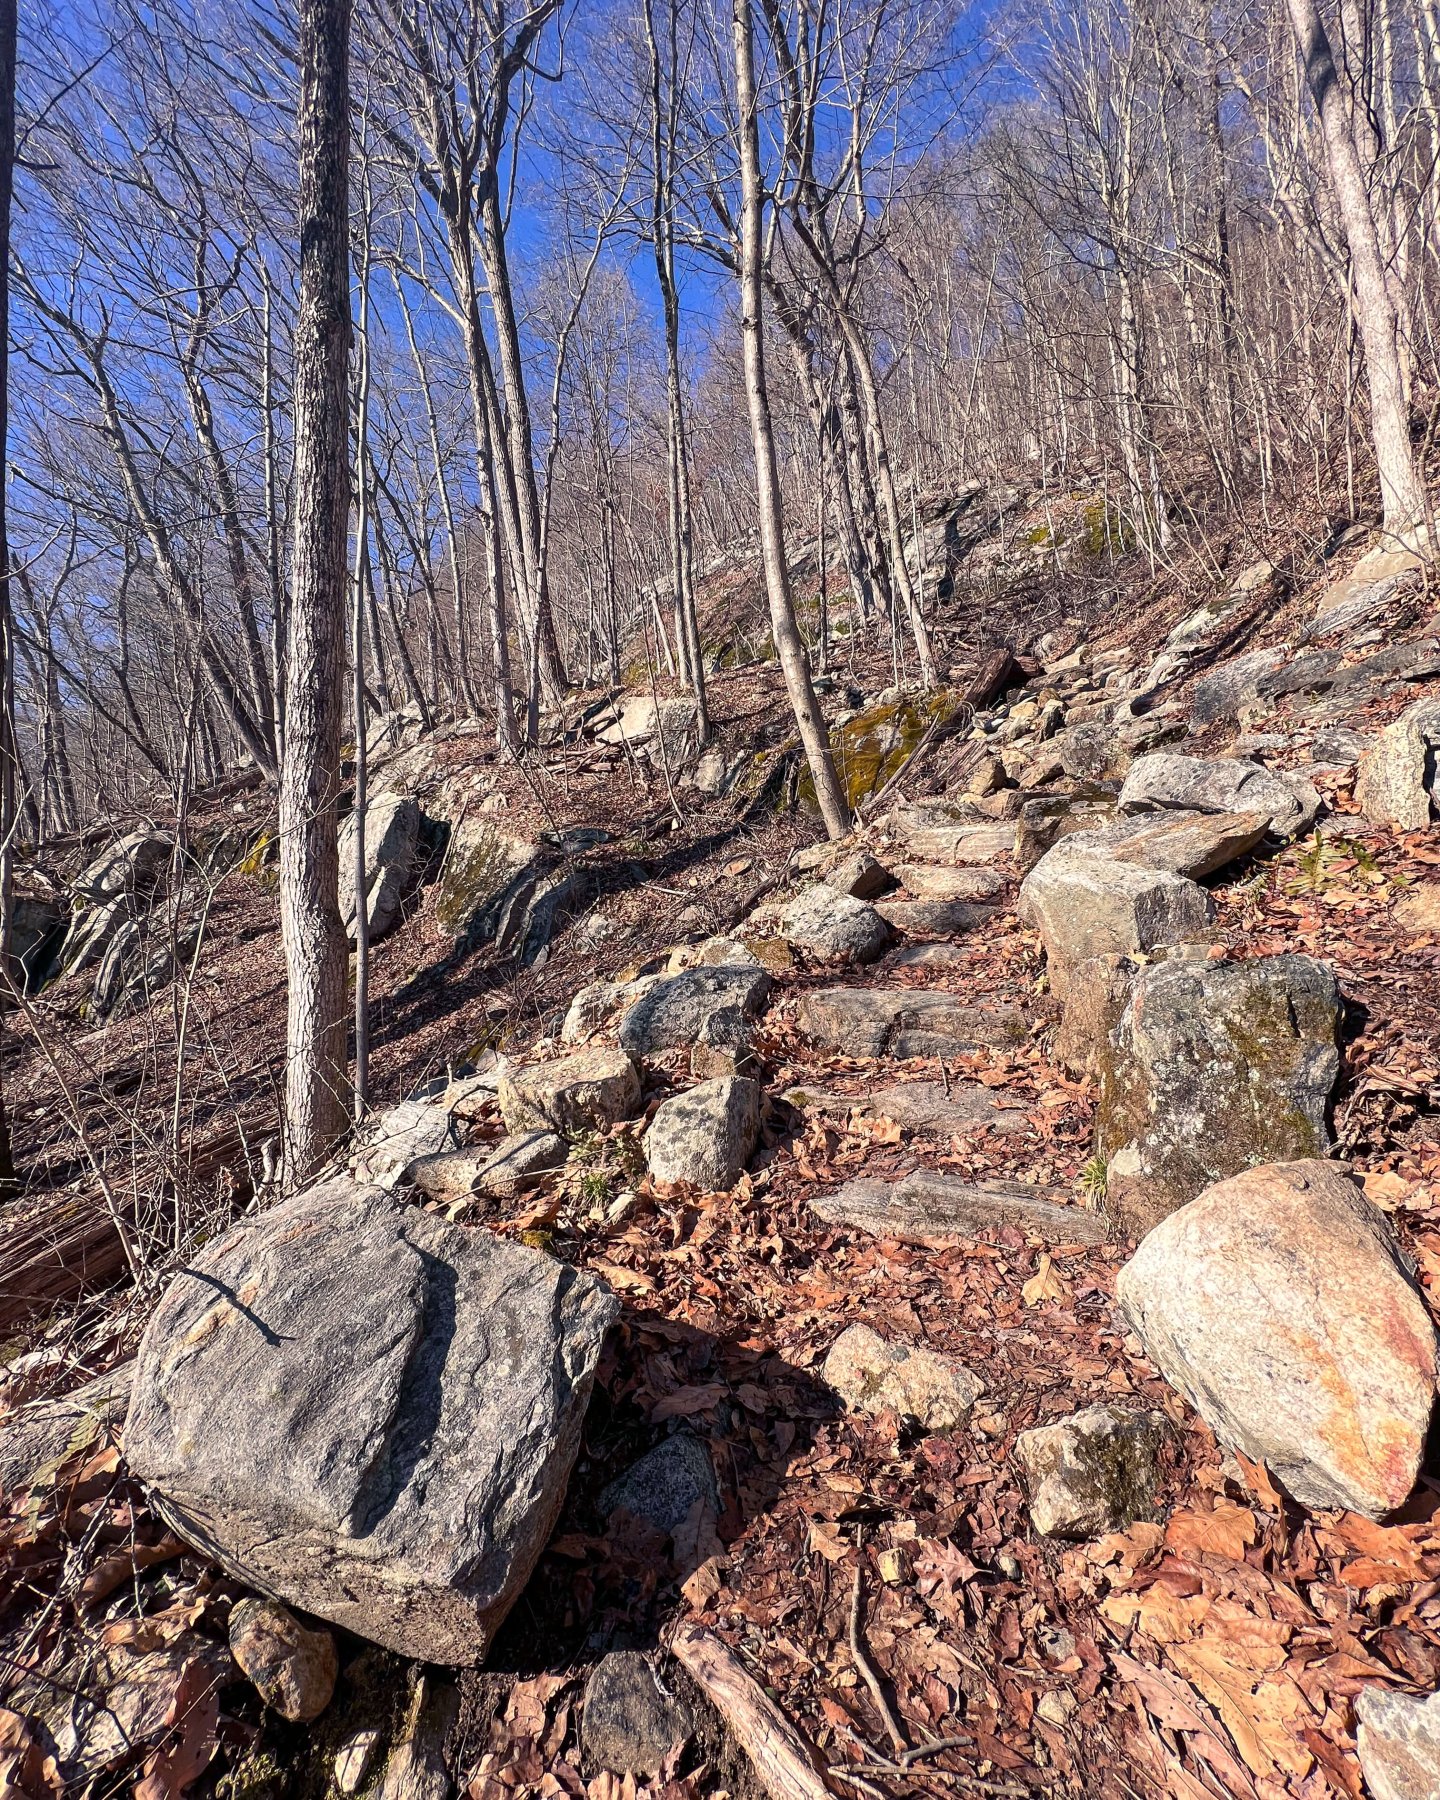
{"x":1063,"y":242}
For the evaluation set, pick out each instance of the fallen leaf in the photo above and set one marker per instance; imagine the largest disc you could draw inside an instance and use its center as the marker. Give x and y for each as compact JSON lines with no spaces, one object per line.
{"x":1045,"y":1284}
{"x":1228,"y":1530}
{"x":687,"y":1402}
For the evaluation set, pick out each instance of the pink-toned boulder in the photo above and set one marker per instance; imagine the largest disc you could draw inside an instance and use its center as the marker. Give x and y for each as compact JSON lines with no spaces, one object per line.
{"x":1280,"y":1307}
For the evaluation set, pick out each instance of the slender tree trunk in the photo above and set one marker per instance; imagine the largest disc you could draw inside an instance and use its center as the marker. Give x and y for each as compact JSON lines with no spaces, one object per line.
{"x":1375,"y":315}
{"x":315,"y":946}
{"x":8,"y":761}
{"x":788,"y":643}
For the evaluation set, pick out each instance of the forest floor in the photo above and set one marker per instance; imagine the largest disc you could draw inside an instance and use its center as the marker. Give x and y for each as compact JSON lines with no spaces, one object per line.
{"x":1214,"y":1652}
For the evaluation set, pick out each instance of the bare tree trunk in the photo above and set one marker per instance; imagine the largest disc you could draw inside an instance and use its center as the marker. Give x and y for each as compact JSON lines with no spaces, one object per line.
{"x":1375,"y":315}
{"x":315,"y":948}
{"x":8,"y":761}
{"x":788,"y":643}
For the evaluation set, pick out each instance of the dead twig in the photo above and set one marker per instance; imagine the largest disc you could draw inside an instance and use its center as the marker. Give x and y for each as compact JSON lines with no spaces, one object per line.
{"x":862,"y":1661}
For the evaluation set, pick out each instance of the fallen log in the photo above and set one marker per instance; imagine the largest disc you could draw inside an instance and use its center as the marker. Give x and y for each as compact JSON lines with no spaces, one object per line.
{"x":784,"y":1763}
{"x":56,"y":1250}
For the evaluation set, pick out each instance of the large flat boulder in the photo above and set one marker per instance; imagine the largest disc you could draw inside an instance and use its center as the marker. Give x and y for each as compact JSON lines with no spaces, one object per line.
{"x":1182,"y":843}
{"x":1396,"y":782}
{"x":1091,"y":905}
{"x":941,"y":1209}
{"x":369,"y":1414}
{"x":1279,"y":1305}
{"x":905,"y":1022}
{"x":671,"y":1013}
{"x":1167,"y":781}
{"x":1214,"y":1067}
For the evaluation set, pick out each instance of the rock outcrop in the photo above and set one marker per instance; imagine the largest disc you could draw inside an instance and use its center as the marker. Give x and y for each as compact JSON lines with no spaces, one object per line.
{"x":1280,"y":1307}
{"x":1166,"y":781}
{"x":673,"y":1011}
{"x":392,"y":843}
{"x":905,"y":1022}
{"x":368,"y":1413}
{"x":826,"y":926}
{"x":1396,"y":783}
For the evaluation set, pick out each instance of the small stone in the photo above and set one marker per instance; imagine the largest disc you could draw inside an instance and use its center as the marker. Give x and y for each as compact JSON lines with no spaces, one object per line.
{"x":1287,"y":1318}
{"x":1399,"y":1744}
{"x":631,"y":1724}
{"x":705,"y":1136}
{"x":894,"y":1565}
{"x":497,"y":1171}
{"x":1094,"y":1472}
{"x":872,"y":1376}
{"x":1056,"y":1706}
{"x":590,"y":1090}
{"x":355,"y":1758}
{"x":860,"y":876}
{"x":1418,"y":908}
{"x":662,"y":1487}
{"x":293,"y":1669}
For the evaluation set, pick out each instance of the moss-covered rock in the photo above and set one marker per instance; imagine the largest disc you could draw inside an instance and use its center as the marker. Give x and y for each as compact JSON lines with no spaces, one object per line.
{"x":480,"y":863}
{"x":1094,"y":1472}
{"x":873,"y":746}
{"x":1213,"y":1069}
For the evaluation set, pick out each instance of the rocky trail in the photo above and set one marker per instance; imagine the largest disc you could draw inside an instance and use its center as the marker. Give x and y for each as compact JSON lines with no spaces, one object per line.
{"x":954,"y":1317}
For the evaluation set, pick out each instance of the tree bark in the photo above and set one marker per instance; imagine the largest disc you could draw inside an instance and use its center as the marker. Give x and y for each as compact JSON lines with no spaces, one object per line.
{"x":1375,"y":314}
{"x":8,"y":761}
{"x":314,"y":938}
{"x":789,"y":645}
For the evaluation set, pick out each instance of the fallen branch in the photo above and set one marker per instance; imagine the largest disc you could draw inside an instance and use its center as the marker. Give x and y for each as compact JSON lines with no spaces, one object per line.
{"x":866,"y":1670}
{"x":784,"y":1762}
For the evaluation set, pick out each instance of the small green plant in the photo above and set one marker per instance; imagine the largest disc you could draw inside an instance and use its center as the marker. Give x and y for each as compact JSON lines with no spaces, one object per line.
{"x":1331,"y":859}
{"x":1094,"y":1181}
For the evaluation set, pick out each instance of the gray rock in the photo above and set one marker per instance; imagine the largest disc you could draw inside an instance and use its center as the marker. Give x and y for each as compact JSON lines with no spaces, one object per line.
{"x":1219,"y":784}
{"x":369,"y":1414}
{"x":871,"y":1376}
{"x":1214,"y":1067}
{"x":724,"y":1046}
{"x":705,"y":1135}
{"x":930,"y":1106}
{"x":926,"y":881}
{"x":935,"y":918}
{"x":1279,"y":1305}
{"x":1047,"y":818}
{"x":662,"y":1488}
{"x":392,"y":839}
{"x":860,"y":876}
{"x":1399,"y":1743}
{"x":589,"y":1090}
{"x":1397,"y":777}
{"x":672,"y":1012}
{"x":416,"y":1767}
{"x":1232,"y":687}
{"x":1338,"y":747}
{"x":631,"y":1724}
{"x":1183,"y":843}
{"x":1096,"y":995}
{"x":940,"y":1209}
{"x":600,"y":1003}
{"x":905,"y":1022}
{"x":112,"y":890}
{"x":1097,"y":1471}
{"x":481,"y":865}
{"x":1091,"y":751}
{"x":826,"y":926}
{"x":398,"y":1139}
{"x":929,"y":835}
{"x":294,"y":1670}
{"x":1085,"y":906}
{"x":497,"y":1171}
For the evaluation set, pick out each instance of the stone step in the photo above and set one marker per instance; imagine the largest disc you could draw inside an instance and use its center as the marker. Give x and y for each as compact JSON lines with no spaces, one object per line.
{"x":906,"y":1022}
{"x":931,"y":1209}
{"x":918,"y":1105}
